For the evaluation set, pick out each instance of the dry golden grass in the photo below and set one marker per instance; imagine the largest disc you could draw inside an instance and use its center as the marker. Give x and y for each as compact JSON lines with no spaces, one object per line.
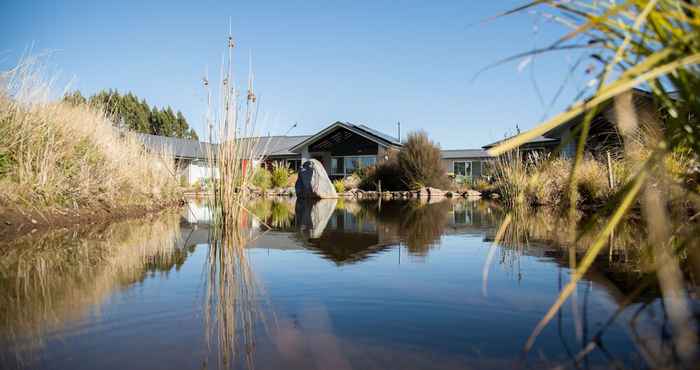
{"x":55,"y":155}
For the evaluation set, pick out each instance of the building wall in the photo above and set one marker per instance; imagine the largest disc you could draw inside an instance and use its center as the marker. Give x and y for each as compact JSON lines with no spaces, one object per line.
{"x":199,"y":170}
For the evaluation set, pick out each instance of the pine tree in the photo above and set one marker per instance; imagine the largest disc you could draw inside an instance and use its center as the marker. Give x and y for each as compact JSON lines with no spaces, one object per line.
{"x":127,"y":111}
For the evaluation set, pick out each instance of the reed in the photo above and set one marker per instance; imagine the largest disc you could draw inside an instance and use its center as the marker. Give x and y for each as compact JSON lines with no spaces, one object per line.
{"x":652,"y":44}
{"x":239,"y":148}
{"x":232,"y":297}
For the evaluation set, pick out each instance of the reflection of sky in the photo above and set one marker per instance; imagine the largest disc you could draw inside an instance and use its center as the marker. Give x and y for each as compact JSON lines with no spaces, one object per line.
{"x":391,"y":311}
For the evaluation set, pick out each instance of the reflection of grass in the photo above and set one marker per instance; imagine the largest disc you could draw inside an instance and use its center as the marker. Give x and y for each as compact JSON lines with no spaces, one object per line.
{"x":277,"y":213}
{"x":231,"y":302}
{"x":57,"y":278}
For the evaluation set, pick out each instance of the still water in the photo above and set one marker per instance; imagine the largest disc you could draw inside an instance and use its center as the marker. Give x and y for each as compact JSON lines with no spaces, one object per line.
{"x":332,"y":285}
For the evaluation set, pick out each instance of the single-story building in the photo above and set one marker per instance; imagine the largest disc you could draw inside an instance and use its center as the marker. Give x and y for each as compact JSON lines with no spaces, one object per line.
{"x":342,"y":148}
{"x":191,"y":156}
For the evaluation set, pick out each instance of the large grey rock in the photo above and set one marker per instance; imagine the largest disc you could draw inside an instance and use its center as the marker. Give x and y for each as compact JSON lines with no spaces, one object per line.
{"x":313,"y":182}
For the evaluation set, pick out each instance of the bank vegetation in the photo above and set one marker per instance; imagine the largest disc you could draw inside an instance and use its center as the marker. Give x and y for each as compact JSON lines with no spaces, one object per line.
{"x":57,"y":156}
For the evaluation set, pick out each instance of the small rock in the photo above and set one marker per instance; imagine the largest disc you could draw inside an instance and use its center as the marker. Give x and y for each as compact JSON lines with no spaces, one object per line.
{"x":34,"y":221}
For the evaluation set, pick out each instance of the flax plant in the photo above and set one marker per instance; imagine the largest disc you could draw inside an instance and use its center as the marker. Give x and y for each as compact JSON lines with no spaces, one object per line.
{"x":655,"y":45}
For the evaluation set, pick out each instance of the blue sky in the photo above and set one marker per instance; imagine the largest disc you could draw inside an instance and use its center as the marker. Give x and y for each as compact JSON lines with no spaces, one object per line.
{"x":315,"y":62}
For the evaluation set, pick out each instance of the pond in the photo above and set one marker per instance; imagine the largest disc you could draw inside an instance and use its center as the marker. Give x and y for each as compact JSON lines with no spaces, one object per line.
{"x":330,"y":285}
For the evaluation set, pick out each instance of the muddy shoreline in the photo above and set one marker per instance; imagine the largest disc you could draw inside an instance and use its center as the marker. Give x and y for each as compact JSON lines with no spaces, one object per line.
{"x":15,"y":223}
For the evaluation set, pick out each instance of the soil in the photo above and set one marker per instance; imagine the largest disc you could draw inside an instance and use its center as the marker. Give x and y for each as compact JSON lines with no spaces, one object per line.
{"x":16,"y":223}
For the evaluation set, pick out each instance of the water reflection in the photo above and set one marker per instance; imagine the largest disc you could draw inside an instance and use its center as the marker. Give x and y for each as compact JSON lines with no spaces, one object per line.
{"x":231,"y":301}
{"x":264,"y":295}
{"x":51,"y":281}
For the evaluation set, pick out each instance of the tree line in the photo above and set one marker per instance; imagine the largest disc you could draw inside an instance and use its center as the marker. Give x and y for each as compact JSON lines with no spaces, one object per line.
{"x":128,"y":111}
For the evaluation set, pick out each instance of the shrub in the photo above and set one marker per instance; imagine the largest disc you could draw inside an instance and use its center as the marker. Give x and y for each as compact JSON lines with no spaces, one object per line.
{"x":339,"y":185}
{"x":388,"y":173}
{"x":280,"y":175}
{"x":262,"y":178}
{"x":420,"y":162}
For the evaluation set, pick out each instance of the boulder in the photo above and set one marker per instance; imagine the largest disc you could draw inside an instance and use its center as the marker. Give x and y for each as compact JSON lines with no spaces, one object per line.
{"x":313,"y":182}
{"x":471,"y":193}
{"x":429,"y":192}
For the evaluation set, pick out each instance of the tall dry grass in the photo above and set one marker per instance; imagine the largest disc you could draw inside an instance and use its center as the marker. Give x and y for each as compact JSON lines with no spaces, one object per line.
{"x":56,"y":155}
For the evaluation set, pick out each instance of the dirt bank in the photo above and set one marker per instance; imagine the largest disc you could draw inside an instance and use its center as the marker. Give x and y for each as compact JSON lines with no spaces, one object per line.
{"x":18,"y":222}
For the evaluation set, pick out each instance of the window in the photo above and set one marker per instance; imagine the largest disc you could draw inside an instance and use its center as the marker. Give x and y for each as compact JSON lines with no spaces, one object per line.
{"x":337,"y":166}
{"x":352,"y":164}
{"x":369,"y":161}
{"x":347,"y":165}
{"x":462,"y":168}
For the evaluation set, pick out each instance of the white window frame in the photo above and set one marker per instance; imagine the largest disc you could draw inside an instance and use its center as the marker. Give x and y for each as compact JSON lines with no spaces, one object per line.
{"x":471,"y":168}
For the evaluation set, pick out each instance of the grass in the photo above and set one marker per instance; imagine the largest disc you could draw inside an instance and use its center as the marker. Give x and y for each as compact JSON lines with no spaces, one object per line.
{"x":652,"y":44}
{"x":56,"y":155}
{"x":536,"y":181}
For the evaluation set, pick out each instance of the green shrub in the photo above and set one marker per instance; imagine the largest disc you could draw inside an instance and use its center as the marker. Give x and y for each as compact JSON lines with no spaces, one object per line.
{"x":280,"y":175}
{"x":262,"y":178}
{"x":339,"y":185}
{"x":420,"y":162}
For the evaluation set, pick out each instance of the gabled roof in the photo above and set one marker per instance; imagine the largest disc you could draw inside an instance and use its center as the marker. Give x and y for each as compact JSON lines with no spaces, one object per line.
{"x":179,"y":148}
{"x":463,"y":153}
{"x":271,"y":146}
{"x":362,"y":130}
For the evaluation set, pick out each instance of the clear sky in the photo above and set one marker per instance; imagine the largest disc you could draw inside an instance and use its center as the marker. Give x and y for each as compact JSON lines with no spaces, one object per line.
{"x":315,"y":61}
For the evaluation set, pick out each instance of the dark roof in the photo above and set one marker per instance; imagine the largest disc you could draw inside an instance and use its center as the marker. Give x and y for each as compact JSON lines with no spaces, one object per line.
{"x":376,"y":133}
{"x":278,"y":145}
{"x":362,"y":130}
{"x":464,"y":153}
{"x":537,"y":140}
{"x":179,"y":148}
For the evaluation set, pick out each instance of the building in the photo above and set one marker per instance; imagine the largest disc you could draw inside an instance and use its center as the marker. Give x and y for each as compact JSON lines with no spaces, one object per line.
{"x":603,"y":134}
{"x":342,"y":148}
{"x":191,"y":158}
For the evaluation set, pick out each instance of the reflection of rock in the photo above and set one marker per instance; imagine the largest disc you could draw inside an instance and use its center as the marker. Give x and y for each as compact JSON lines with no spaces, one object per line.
{"x":312,"y":216}
{"x":313,"y":182}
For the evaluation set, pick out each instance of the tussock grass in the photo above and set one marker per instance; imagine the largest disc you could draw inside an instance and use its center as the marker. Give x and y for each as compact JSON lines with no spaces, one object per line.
{"x":57,"y":155}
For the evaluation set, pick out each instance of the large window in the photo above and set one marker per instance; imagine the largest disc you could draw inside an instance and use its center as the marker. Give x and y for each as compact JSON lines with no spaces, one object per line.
{"x":463,"y":168}
{"x":343,"y":166}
